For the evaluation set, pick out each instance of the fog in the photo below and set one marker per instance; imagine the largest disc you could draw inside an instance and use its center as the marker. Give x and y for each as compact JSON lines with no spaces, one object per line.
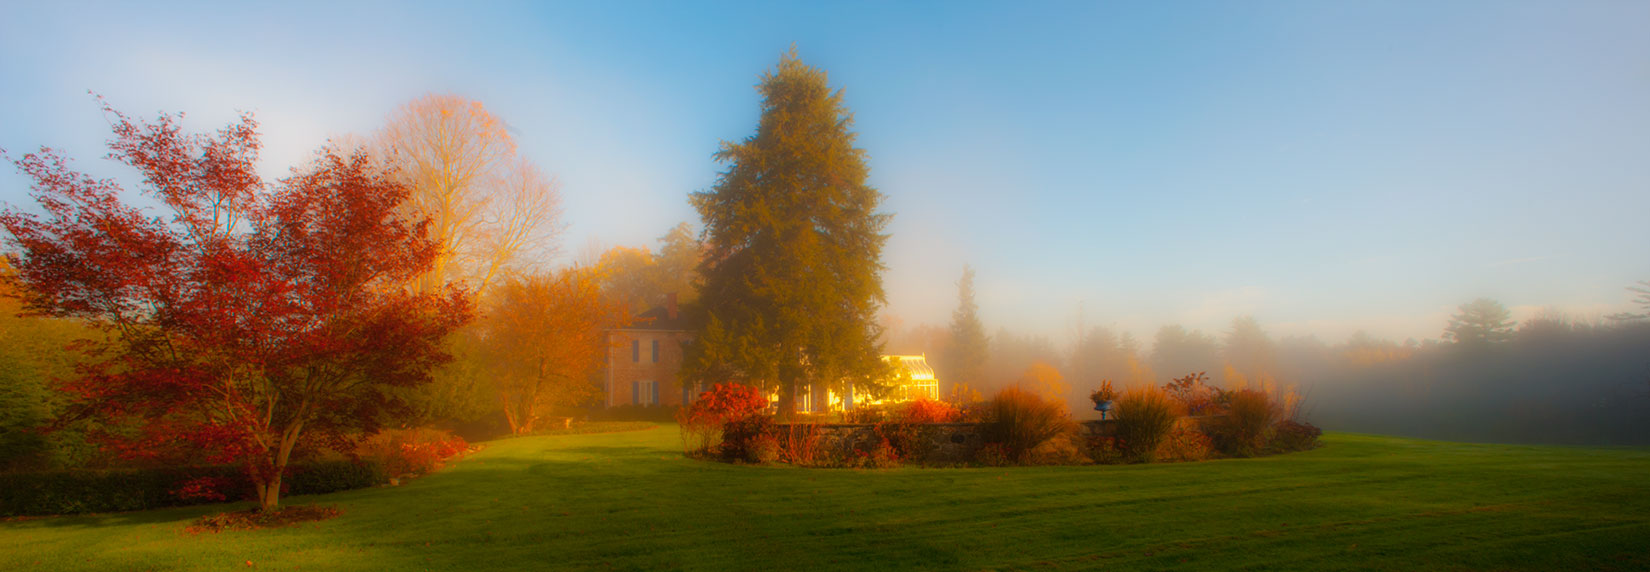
{"x":1551,"y":380}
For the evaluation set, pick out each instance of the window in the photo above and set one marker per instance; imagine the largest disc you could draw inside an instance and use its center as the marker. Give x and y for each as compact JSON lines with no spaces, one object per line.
{"x":644,"y":393}
{"x":655,"y":351}
{"x":636,"y":351}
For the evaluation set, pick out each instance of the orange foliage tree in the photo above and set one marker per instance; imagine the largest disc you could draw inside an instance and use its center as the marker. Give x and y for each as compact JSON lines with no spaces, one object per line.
{"x":544,"y":341}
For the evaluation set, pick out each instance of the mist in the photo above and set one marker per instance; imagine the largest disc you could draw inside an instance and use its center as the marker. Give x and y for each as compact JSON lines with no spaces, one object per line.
{"x":1552,"y":380}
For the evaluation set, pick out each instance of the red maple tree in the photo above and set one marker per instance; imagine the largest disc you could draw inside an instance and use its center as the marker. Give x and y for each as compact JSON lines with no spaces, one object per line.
{"x":260,"y":318}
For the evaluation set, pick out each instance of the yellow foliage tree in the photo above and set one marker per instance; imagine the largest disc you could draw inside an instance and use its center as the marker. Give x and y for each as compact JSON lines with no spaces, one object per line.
{"x":1045,"y":381}
{"x":489,"y":209}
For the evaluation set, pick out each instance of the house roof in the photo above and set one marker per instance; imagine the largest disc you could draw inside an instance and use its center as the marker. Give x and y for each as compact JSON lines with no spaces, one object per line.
{"x":658,"y":319}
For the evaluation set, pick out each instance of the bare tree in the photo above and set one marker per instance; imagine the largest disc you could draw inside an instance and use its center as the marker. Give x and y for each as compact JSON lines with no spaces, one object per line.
{"x":490,"y":210}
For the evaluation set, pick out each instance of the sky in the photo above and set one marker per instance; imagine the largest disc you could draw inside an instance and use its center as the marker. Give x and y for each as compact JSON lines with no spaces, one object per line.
{"x":1326,"y":167}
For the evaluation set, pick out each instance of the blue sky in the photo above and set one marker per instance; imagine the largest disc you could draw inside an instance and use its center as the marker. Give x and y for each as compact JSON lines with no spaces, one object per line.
{"x":1324,"y":166}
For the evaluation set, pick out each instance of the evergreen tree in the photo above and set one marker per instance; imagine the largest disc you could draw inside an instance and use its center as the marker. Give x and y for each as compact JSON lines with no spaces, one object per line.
{"x":965,"y":358}
{"x":1480,"y":323}
{"x":793,"y":261}
{"x":1249,"y":350}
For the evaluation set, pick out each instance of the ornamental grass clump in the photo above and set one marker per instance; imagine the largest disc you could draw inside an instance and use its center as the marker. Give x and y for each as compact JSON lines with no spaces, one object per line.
{"x":1021,"y":421}
{"x":1145,"y":416}
{"x":1248,"y":425}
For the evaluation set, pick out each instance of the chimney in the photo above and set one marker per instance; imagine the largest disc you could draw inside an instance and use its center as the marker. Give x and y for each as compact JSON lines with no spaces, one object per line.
{"x":670,"y":305}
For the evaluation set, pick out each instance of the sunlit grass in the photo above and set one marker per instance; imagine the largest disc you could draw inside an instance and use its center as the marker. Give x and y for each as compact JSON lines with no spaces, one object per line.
{"x":631,"y":501}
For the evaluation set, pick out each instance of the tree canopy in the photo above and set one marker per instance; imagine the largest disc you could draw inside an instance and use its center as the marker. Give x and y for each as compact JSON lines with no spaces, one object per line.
{"x":792,"y":269}
{"x":545,"y":339}
{"x":966,"y":356}
{"x":257,"y":318}
{"x":1480,"y":323}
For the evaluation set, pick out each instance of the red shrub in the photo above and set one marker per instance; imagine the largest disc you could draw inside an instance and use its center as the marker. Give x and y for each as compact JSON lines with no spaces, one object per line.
{"x":1195,"y":395}
{"x":726,"y":402}
{"x":202,"y":489}
{"x":801,"y":445}
{"x":929,"y":411}
{"x":704,"y":423}
{"x":412,"y":451}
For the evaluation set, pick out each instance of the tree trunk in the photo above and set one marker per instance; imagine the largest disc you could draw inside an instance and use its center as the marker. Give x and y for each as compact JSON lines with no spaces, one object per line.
{"x":269,"y":490}
{"x":787,"y":401}
{"x":269,"y":486}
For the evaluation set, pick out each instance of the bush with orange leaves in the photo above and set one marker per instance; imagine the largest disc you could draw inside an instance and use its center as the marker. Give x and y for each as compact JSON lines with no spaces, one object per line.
{"x":929,"y":411}
{"x":411,"y":451}
{"x":1185,"y":443}
{"x":1020,"y":421}
{"x":1248,"y":425}
{"x":702,"y":422}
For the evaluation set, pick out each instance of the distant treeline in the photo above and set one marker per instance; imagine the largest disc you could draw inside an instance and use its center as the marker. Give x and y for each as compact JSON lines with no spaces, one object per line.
{"x":1548,"y":380}
{"x":1557,"y":385}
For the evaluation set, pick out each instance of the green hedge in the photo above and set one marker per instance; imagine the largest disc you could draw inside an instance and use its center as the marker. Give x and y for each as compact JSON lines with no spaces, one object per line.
{"x":76,"y":492}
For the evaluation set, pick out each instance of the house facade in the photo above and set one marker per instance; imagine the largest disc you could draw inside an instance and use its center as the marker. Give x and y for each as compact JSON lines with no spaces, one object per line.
{"x":643,"y":359}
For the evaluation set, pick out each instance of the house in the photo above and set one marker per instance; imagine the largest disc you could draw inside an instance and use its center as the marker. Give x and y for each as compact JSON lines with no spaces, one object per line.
{"x":643,"y":361}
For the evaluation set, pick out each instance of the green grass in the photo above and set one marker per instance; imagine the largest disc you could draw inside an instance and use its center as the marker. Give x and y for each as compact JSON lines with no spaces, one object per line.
{"x":630,"y":501}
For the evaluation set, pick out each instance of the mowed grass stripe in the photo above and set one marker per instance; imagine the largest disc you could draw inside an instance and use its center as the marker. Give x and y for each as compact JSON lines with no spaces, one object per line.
{"x":631,"y":501}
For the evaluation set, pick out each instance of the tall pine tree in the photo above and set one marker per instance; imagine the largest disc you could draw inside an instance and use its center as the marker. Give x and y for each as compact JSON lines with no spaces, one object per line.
{"x":965,"y":358}
{"x":792,"y":271}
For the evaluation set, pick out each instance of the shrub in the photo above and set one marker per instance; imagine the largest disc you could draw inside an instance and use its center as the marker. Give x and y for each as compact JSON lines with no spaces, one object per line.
{"x":801,"y":445}
{"x":702,"y":423}
{"x":1195,"y":396}
{"x":332,"y":476}
{"x":83,"y":491}
{"x":411,"y":451}
{"x":1060,"y":450}
{"x":929,"y":411}
{"x":870,"y":414}
{"x":1185,"y":444}
{"x":1144,"y":417}
{"x":1021,"y":421}
{"x":764,"y":449}
{"x":1248,"y":425}
{"x":740,"y":436}
{"x":1106,"y":450}
{"x":992,"y":455}
{"x":633,"y":412}
{"x":1290,"y":435}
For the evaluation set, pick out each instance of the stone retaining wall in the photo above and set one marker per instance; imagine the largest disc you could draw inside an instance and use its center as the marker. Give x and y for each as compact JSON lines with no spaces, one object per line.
{"x":947,"y":442}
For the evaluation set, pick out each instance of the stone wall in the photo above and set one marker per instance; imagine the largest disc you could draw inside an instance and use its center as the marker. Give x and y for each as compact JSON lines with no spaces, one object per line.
{"x":946,"y":442}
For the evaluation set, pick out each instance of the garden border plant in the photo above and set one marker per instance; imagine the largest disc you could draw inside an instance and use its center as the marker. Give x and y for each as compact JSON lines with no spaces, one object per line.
{"x":1016,"y":427}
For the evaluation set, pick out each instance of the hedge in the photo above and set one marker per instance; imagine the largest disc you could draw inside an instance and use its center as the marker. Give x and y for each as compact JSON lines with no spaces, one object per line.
{"x":76,"y":492}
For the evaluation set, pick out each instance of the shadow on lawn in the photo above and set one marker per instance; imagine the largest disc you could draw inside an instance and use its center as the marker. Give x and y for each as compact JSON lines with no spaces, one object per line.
{"x":133,"y":518}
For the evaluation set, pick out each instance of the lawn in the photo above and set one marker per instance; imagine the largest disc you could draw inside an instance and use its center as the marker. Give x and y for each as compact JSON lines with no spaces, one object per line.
{"x":630,"y":501}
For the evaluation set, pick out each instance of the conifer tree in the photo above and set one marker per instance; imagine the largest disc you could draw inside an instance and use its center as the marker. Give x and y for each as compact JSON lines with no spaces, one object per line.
{"x":793,"y":261}
{"x":1480,"y":323}
{"x":966,"y":357}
